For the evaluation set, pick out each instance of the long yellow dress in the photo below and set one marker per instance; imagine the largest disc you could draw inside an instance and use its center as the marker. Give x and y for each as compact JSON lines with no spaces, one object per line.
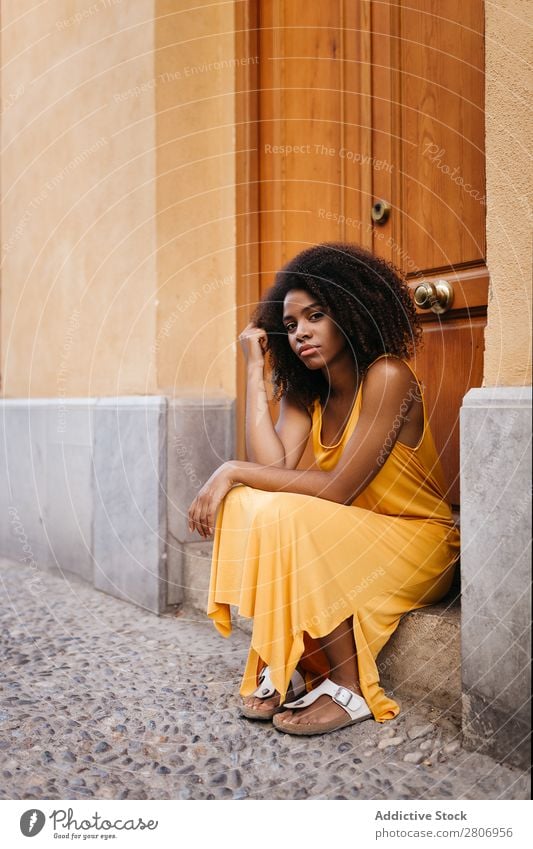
{"x":300,"y":565}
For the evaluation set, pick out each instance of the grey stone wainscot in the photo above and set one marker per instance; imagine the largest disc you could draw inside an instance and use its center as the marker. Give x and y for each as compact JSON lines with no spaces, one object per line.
{"x":496,"y":571}
{"x":101,"y":486}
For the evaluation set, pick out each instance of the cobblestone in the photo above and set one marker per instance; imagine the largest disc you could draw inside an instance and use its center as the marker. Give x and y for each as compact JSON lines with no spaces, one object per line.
{"x":414,"y":757}
{"x":391,"y":741}
{"x":417,"y":731}
{"x":100,"y":699}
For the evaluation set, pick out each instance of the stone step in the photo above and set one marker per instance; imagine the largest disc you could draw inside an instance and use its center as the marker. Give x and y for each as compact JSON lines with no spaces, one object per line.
{"x":421,"y":661}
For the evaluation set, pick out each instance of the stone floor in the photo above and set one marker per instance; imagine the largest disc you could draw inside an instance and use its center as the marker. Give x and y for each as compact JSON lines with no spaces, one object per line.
{"x":100,"y":699}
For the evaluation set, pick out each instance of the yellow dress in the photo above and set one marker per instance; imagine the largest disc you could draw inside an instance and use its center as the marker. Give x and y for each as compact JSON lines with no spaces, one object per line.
{"x":299,"y":565}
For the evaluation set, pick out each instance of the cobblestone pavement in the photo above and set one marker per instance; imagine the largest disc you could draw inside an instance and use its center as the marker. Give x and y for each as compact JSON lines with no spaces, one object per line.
{"x":101,"y":699}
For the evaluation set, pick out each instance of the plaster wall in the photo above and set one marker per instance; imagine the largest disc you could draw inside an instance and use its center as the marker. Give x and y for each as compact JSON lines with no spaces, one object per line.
{"x":78,"y":199}
{"x":509,"y":188}
{"x":118,"y":199}
{"x":195,"y":162}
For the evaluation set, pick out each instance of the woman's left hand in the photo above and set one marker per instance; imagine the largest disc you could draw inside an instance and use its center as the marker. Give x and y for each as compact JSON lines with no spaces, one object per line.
{"x":203,"y":509}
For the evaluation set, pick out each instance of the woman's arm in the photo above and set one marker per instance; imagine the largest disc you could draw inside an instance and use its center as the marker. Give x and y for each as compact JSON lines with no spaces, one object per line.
{"x":281,"y":446}
{"x":387,"y":398}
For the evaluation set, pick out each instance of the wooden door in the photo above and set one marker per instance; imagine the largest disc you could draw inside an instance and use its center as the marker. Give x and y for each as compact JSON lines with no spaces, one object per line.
{"x":353,"y":104}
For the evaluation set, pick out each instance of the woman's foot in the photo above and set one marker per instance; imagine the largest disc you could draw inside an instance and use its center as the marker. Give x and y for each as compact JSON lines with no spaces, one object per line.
{"x":258,"y":708}
{"x":323,"y":711}
{"x":261,"y":705}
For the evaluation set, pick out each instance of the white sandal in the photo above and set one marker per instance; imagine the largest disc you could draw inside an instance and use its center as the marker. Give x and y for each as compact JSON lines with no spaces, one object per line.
{"x":355,"y":706}
{"x":266,"y":690}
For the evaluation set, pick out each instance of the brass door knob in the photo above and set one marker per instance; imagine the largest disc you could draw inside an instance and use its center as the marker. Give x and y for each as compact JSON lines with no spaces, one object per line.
{"x":381,"y":211}
{"x":435,"y":296}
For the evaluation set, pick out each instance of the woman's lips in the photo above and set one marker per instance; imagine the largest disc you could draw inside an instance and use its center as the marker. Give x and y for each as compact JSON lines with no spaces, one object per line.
{"x":306,"y":352}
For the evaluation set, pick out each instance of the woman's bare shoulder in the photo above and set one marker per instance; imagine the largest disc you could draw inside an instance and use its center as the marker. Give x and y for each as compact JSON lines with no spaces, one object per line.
{"x":389,"y":375}
{"x":387,"y":368}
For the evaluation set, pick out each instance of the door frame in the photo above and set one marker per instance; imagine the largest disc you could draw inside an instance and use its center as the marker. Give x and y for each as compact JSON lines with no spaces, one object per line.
{"x":247,"y":190}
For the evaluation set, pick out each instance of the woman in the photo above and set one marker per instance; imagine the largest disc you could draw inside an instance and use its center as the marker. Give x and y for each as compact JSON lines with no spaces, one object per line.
{"x":327,"y":560}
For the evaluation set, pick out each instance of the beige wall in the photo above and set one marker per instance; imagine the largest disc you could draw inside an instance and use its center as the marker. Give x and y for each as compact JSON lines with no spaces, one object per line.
{"x":117,"y":177}
{"x":78,"y":199}
{"x":509,"y":188}
{"x":195,"y":70}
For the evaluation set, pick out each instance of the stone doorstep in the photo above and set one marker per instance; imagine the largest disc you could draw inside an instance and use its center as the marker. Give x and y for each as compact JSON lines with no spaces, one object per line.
{"x":422,"y":659}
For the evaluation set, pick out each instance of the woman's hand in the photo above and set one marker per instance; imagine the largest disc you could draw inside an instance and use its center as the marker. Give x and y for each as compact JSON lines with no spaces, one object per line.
{"x":204,"y":507}
{"x":254,"y":341}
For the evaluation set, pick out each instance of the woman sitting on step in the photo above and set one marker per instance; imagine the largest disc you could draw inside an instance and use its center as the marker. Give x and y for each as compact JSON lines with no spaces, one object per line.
{"x":326,"y":560}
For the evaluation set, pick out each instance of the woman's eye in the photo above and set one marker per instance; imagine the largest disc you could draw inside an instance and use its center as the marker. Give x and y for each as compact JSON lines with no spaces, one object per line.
{"x":317,"y":314}
{"x":289,"y":327}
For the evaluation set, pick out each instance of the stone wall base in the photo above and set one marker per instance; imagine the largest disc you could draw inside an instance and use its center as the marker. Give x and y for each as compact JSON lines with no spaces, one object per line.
{"x":101,"y":487}
{"x":496,"y":571}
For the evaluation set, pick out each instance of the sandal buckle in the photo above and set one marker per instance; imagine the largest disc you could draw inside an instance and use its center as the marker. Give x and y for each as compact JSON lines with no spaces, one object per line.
{"x":343,"y":696}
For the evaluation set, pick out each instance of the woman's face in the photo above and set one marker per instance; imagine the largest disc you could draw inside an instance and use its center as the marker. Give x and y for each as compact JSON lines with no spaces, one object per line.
{"x":313,"y":334}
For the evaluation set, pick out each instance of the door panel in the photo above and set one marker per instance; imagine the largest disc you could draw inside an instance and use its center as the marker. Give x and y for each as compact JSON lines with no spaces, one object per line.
{"x":428,"y":123}
{"x":301,"y":91}
{"x":446,"y":364}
